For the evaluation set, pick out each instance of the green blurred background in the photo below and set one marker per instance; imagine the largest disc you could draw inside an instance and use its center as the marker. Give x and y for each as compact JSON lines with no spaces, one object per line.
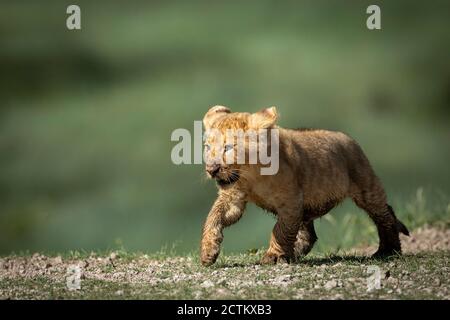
{"x":86,"y":116}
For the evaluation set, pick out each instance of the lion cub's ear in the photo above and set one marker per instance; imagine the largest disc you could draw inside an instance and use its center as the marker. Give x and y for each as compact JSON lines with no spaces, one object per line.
{"x":213,"y":114}
{"x":264,"y":118}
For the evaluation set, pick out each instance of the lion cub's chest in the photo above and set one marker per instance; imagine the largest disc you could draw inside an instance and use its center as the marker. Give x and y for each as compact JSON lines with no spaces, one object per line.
{"x":262,"y":203}
{"x":272,"y":198}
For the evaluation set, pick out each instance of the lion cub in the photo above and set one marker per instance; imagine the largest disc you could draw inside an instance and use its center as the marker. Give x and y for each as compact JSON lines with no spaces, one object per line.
{"x":317,"y":170}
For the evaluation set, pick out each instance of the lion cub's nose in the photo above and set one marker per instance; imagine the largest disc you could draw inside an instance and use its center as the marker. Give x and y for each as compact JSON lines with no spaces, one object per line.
{"x":213,"y":169}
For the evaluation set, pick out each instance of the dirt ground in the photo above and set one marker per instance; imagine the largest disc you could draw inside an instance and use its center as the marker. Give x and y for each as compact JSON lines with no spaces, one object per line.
{"x":420,"y":273}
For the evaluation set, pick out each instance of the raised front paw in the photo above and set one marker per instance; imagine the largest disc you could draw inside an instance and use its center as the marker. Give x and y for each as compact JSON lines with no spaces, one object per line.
{"x":209,"y":254}
{"x":273,"y":258}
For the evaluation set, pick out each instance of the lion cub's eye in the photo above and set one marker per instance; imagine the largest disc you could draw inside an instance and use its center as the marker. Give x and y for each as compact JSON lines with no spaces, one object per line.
{"x":228,"y":147}
{"x":207,"y":147}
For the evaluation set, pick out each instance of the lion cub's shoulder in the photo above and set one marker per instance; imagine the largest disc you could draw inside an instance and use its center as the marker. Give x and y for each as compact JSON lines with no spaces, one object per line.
{"x":317,"y":134}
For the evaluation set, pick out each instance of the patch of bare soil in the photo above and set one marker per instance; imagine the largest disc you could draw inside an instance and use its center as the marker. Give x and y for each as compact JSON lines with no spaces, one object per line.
{"x":423,"y":239}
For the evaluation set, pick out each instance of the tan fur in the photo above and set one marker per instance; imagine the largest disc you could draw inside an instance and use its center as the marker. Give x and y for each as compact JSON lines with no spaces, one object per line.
{"x":317,"y":170}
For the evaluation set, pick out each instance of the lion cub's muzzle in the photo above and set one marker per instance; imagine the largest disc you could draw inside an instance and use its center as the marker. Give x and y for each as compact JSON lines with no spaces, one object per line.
{"x":232,"y":178}
{"x":223,"y":177}
{"x":213,"y":170}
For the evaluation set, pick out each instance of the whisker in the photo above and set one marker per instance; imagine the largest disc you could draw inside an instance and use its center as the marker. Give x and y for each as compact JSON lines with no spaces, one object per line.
{"x":243,"y":174}
{"x":240,"y":173}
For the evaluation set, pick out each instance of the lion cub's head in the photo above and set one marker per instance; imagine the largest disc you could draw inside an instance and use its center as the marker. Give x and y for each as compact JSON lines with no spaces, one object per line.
{"x":236,"y":140}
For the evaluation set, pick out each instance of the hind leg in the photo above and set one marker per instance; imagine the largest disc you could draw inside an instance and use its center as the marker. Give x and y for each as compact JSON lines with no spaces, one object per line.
{"x":373,"y":201}
{"x":306,"y":237}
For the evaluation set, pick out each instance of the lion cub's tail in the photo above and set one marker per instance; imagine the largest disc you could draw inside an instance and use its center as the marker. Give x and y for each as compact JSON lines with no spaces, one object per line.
{"x":400,"y":226}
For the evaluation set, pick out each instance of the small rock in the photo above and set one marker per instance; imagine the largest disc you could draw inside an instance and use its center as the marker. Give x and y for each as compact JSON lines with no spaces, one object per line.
{"x":331,"y":284}
{"x":207,"y":284}
{"x":283,"y":278}
{"x":392,"y":281}
{"x":437,"y":282}
{"x":222,"y":292}
{"x":108,"y":262}
{"x":113,"y":256}
{"x":119,"y":292}
{"x":56,"y":261}
{"x":428,"y":290}
{"x":351,"y":280}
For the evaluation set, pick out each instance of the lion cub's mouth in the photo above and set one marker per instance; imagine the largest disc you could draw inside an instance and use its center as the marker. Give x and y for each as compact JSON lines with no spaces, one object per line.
{"x":230,"y":180}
